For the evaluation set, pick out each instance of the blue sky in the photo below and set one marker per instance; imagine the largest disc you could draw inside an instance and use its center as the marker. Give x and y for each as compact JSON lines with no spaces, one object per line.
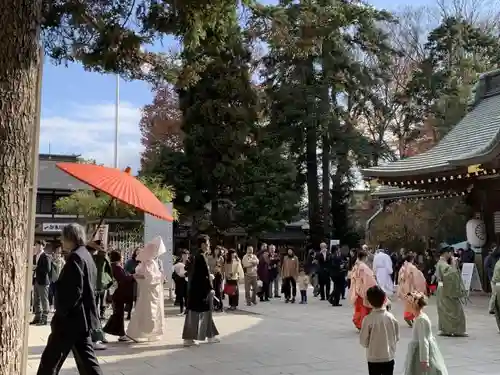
{"x":78,"y":109}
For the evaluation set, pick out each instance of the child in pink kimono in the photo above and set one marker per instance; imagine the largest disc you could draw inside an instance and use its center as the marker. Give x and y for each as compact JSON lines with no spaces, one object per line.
{"x":410,"y":279}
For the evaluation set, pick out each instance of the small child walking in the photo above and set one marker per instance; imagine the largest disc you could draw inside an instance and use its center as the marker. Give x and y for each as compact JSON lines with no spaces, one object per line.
{"x":424,"y":356}
{"x":303,"y":281}
{"x":379,"y":334}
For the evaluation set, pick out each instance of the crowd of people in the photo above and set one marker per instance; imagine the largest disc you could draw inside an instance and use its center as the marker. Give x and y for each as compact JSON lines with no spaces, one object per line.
{"x":379,"y":329}
{"x":260,"y":273}
{"x":82,"y":285}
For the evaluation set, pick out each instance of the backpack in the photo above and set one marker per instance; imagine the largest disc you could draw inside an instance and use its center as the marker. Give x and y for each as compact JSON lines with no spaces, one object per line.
{"x":106,"y":278}
{"x":54,"y":272}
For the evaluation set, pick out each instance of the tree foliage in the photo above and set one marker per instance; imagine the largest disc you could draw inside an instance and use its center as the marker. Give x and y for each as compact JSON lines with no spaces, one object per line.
{"x":412,"y":224}
{"x":110,"y":35}
{"x":324,"y":59}
{"x":457,"y":52}
{"x":160,"y":126}
{"x":218,"y":114}
{"x":266,"y":199}
{"x":223,"y":154}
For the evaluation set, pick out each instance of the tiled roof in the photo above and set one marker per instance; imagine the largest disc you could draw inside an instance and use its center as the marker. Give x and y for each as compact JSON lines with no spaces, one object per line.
{"x":477,"y":134}
{"x":51,"y":177}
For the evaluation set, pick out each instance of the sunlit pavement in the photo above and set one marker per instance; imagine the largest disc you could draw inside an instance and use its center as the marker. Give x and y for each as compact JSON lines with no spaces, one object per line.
{"x":276,"y":338}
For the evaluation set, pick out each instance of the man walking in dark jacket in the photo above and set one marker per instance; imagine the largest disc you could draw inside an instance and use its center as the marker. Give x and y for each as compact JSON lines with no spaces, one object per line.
{"x":324,"y":262}
{"x":42,"y":272}
{"x":338,"y":275}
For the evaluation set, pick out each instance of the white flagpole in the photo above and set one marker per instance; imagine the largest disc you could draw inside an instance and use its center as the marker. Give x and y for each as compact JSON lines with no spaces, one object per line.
{"x":117,"y":119}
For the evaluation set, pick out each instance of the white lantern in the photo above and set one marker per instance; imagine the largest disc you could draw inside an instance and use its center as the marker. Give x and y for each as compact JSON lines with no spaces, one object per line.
{"x":476,"y":232}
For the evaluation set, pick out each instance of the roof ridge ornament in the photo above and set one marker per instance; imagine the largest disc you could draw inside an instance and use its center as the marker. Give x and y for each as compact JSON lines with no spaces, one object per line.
{"x":477,"y":92}
{"x":480,"y":89}
{"x":489,"y":73}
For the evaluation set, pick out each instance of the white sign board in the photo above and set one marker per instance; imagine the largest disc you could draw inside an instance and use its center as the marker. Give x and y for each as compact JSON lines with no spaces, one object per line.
{"x":53,"y":227}
{"x":102,"y":235}
{"x":470,"y":277}
{"x":334,"y":243}
{"x":156,"y":227}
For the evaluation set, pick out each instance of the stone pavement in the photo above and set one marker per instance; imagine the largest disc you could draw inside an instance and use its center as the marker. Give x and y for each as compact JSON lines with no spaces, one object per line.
{"x":275,"y":338}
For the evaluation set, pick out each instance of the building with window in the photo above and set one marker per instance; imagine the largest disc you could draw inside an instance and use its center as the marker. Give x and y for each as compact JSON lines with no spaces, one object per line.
{"x":52,"y":185}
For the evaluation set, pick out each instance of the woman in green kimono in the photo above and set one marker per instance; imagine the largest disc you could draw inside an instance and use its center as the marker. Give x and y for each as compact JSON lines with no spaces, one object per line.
{"x":450,"y":296}
{"x":495,"y":282}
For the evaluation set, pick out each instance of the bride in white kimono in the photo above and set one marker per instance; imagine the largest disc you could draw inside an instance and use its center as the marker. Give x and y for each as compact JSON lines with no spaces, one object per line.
{"x":147,"y":321}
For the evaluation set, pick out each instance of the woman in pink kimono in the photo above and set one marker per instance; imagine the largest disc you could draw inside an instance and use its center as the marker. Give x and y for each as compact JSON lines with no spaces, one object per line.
{"x":147,"y":321}
{"x":362,"y":279}
{"x":410,"y":280}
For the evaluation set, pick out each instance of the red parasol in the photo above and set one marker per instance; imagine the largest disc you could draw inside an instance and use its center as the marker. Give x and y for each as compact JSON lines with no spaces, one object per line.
{"x":120,"y":185}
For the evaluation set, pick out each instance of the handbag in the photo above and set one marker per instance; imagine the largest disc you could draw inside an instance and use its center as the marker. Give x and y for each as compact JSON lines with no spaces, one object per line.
{"x":112,"y":288}
{"x":230,"y":289}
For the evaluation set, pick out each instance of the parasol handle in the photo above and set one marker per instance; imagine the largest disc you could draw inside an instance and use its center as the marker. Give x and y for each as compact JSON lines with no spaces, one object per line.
{"x":101,"y":220}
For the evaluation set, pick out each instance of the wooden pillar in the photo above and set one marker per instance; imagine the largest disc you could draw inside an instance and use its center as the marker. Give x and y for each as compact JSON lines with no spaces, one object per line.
{"x":483,"y":196}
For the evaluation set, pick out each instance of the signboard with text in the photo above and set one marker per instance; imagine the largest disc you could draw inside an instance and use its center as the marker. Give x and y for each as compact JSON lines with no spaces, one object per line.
{"x":334,"y":243}
{"x":53,"y":227}
{"x":102,"y":235}
{"x":470,"y":277}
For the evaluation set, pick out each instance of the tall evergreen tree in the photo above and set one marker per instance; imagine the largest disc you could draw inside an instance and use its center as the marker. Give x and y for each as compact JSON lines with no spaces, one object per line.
{"x":439,"y":90}
{"x":311,"y":66}
{"x":219,"y":110}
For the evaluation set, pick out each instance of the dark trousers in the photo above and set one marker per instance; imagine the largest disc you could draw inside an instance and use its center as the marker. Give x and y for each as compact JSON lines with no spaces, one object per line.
{"x":338,"y":287}
{"x":381,"y":368}
{"x":303,"y":296}
{"x":289,"y":288}
{"x":181,"y":294}
{"x":264,"y":291}
{"x":324,"y":286}
{"x":218,"y":304}
{"x":52,"y":294}
{"x":100,"y":301}
{"x":344,"y":288}
{"x":58,"y":347}
{"x":182,"y":304}
{"x":41,"y":302}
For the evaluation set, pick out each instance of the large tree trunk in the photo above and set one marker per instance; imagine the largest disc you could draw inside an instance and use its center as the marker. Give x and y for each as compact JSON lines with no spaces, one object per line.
{"x":19,"y":65}
{"x":325,"y":193}
{"x":315,"y":228}
{"x":325,"y":139}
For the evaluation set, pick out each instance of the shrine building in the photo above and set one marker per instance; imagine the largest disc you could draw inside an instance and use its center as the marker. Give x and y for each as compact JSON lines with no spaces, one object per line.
{"x":466,"y":162}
